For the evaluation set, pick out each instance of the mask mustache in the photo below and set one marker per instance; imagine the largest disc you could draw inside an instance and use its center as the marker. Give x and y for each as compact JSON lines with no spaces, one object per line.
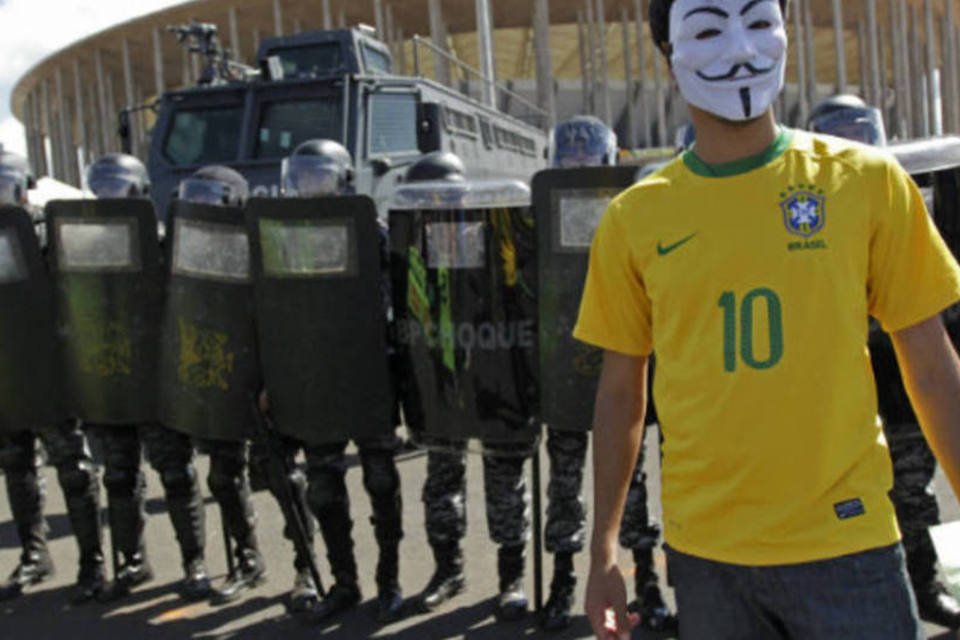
{"x":730,"y":75}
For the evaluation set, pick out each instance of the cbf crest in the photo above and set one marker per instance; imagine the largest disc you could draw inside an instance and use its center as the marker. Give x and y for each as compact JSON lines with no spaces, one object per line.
{"x":804,"y":210}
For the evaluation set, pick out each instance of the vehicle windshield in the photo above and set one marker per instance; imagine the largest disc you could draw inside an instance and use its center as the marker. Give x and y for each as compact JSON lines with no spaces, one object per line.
{"x":284,"y":125}
{"x":375,"y":60}
{"x":393,"y":123}
{"x":310,"y":61}
{"x":204,"y":135}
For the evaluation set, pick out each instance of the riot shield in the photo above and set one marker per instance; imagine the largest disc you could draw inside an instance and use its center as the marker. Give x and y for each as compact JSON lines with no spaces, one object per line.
{"x":208,"y":366}
{"x":464,"y":283}
{"x":30,"y":383}
{"x":568,"y":204}
{"x":321,"y":320}
{"x":105,"y":259}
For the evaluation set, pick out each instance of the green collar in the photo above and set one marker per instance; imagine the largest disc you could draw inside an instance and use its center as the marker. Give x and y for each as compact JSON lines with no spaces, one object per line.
{"x":727,"y":169}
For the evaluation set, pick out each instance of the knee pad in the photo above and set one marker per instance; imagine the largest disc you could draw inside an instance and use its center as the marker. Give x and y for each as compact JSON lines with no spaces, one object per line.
{"x":178,"y":481}
{"x":75,"y":478}
{"x":120,"y":479}
{"x":18,"y":452}
{"x":226,"y":474}
{"x":169,"y":453}
{"x":325,"y":492}
{"x":380,"y":475}
{"x":567,"y":442}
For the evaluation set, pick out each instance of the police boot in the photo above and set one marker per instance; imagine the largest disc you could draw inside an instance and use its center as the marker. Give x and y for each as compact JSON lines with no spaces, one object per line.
{"x":304,"y":595}
{"x":196,"y":582}
{"x":344,"y":594}
{"x":654,"y":613}
{"x":92,"y":577}
{"x":936,"y":605}
{"x":447,"y":580}
{"x":35,"y":567}
{"x":91,"y":582}
{"x":248,"y":573}
{"x":389,"y":596}
{"x":134,"y":570}
{"x":512,"y":601}
{"x":556,"y":612}
{"x":26,"y":496}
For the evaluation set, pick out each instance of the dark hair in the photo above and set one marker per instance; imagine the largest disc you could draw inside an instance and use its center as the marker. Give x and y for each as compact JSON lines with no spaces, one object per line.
{"x":659,"y":17}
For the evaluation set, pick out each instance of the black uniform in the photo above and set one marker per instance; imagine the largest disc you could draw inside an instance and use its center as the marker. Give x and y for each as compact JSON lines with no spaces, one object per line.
{"x":69,"y":453}
{"x":171,"y":455}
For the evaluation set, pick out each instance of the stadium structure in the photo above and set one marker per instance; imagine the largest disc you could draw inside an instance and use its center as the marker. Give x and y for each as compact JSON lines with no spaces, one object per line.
{"x":568,"y":56}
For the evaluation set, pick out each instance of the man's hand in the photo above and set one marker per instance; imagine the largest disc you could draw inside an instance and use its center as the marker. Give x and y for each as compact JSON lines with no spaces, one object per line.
{"x":263,"y":402}
{"x":606,"y":595}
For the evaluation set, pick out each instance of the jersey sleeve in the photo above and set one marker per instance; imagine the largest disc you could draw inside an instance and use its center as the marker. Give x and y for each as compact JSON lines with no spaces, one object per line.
{"x":615,"y":311}
{"x":913,"y":276}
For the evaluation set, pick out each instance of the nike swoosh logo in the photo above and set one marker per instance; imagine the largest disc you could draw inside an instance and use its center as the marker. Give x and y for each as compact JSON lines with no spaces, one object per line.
{"x":664,"y":250}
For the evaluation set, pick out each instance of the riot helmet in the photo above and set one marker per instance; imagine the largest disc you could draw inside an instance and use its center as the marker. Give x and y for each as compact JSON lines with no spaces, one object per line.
{"x":317,"y":168}
{"x":582,"y":141}
{"x":118,"y":175}
{"x":437,"y":166}
{"x":16,"y":178}
{"x":848,"y":116}
{"x":215,"y":185}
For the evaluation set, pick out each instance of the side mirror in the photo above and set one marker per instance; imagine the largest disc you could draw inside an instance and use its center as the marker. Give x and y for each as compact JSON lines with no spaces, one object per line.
{"x":429,"y":124}
{"x":380,"y":166}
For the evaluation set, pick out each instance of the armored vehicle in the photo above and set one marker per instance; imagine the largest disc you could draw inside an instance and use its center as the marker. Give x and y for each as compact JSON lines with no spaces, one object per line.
{"x":340,"y":85}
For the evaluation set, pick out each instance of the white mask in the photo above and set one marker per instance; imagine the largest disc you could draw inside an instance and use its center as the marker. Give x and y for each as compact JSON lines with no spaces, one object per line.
{"x":729,"y":56}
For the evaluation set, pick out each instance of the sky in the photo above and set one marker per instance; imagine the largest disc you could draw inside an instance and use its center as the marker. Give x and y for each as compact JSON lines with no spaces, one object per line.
{"x":32,"y":29}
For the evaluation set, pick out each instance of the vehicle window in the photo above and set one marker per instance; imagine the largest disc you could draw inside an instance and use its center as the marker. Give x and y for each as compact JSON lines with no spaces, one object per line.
{"x":284,"y":125}
{"x":204,"y":136}
{"x":309,"y":61}
{"x":375,"y":60}
{"x":393,"y":123}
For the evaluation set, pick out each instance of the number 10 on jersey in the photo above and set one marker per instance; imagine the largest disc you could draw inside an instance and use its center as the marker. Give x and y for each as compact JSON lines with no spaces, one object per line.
{"x":749,"y":306}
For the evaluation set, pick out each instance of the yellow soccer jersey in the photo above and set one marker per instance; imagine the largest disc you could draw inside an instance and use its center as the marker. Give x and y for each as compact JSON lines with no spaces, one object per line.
{"x":752,"y":282}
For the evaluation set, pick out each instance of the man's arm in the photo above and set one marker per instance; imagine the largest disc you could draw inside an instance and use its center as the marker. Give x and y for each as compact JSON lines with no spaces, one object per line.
{"x":617,"y":432}
{"x":931,"y":375}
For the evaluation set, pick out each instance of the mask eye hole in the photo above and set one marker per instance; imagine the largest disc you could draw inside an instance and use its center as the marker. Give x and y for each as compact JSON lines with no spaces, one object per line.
{"x":706,"y":34}
{"x":758,"y":25}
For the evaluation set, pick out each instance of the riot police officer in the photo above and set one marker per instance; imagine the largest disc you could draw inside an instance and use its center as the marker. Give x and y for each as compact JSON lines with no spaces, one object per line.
{"x":68,"y":451}
{"x":319,"y":168}
{"x":170,"y":453}
{"x":914,"y":465}
{"x":444,"y":491}
{"x":219,"y":186}
{"x":584,"y":141}
{"x":848,"y":116}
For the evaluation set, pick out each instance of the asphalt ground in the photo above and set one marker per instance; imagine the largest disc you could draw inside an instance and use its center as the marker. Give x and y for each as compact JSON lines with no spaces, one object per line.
{"x":154,"y":611}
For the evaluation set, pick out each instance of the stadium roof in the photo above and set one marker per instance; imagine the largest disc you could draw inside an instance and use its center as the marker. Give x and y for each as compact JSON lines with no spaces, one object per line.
{"x":401,"y":19}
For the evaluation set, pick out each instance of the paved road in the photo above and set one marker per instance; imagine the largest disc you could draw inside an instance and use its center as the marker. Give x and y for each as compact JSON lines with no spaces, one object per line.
{"x":154,"y":612}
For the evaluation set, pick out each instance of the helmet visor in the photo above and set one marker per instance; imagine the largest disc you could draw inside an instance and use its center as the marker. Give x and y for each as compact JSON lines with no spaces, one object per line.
{"x":204,"y":191}
{"x":311,"y":177}
{"x":861,"y":125}
{"x":12,"y":189}
{"x":114,"y":182}
{"x":112,"y":186}
{"x":571,"y":160}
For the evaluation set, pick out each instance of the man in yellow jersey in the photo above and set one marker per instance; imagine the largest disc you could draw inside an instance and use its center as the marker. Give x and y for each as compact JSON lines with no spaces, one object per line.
{"x":750,"y":265}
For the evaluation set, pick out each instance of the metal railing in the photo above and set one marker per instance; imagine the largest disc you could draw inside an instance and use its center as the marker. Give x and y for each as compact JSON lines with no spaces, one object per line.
{"x":505,"y":97}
